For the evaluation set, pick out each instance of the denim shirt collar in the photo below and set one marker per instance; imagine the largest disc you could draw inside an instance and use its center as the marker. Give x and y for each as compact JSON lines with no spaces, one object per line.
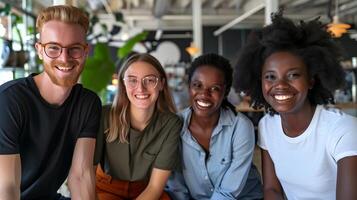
{"x":226,"y":118}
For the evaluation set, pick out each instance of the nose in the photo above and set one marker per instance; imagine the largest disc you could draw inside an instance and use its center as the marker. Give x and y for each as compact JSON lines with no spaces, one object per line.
{"x":141,"y":86}
{"x":281,"y":84}
{"x":205,"y":92}
{"x":64,"y":55}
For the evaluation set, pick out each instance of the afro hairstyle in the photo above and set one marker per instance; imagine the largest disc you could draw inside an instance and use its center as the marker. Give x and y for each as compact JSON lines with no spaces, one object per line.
{"x":308,"y":40}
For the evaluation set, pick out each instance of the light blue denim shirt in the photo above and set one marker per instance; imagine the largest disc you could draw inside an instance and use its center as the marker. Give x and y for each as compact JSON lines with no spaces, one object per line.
{"x":227,"y":172}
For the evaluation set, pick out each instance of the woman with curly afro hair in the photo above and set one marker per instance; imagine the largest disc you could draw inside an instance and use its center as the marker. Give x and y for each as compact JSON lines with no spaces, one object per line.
{"x":309,"y":151}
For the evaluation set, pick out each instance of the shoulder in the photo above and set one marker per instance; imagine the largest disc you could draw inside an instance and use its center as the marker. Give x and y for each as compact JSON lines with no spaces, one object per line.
{"x":167,"y":123}
{"x":340,"y":130}
{"x":241,"y":118}
{"x":168,"y":118}
{"x":10,"y":86}
{"x":86,"y":97}
{"x":86,"y":93}
{"x":268,"y":126}
{"x":13,"y":92}
{"x":268,"y":120}
{"x":332,"y":114}
{"x":229,"y":118}
{"x":337,"y":121}
{"x":238,"y":127}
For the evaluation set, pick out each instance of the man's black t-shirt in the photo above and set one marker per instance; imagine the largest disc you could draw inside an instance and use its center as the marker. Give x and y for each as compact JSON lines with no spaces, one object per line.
{"x":43,"y":134}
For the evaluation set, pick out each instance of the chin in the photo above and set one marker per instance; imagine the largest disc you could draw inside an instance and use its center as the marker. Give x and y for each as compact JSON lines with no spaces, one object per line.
{"x":68,"y":82}
{"x":143,"y":107}
{"x":202,"y":113}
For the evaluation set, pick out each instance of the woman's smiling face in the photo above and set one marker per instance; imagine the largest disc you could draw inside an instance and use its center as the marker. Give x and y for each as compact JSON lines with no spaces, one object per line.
{"x":142,"y":96}
{"x":285,"y":82}
{"x":207,"y":89}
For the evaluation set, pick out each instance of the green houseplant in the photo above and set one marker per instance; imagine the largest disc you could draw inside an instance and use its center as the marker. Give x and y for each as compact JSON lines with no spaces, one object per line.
{"x":20,"y":57}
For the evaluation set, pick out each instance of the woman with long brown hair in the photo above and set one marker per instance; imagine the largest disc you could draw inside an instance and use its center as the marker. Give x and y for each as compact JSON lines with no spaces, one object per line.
{"x":138,"y":139}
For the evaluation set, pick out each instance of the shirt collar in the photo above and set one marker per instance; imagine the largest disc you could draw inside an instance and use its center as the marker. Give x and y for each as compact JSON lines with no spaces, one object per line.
{"x":226,"y":118}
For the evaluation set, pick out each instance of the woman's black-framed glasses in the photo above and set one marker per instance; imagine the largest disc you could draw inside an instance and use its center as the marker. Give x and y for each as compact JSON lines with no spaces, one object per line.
{"x":149,"y":82}
{"x":54,"y":50}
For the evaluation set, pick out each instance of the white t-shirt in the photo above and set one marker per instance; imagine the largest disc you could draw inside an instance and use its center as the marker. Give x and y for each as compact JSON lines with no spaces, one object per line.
{"x":306,"y":166}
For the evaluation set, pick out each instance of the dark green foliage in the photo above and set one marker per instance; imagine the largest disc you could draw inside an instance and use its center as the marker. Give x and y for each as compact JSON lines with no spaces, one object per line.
{"x":98,"y":69}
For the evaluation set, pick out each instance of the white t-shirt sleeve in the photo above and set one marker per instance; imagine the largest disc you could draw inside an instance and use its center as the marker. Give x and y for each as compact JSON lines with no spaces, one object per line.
{"x":262,"y":132}
{"x":344,"y":143}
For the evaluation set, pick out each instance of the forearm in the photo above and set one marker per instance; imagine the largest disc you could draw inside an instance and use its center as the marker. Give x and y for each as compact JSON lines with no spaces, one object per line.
{"x":346,"y":178}
{"x":150,"y":193}
{"x":176,"y":187}
{"x":271,"y":194}
{"x":10,"y":177}
{"x":10,"y":192}
{"x":82,"y":187}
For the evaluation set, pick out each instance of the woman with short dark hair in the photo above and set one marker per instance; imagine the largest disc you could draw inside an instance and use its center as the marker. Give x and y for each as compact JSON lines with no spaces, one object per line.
{"x":217,"y":143}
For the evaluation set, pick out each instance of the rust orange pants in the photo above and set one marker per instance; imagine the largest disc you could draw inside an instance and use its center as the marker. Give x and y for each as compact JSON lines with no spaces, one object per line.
{"x":108,"y":188}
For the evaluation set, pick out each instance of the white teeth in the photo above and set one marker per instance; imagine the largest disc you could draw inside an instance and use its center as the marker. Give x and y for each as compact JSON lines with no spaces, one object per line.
{"x":141,"y":96}
{"x":203,"y":104}
{"x":283,"y":97}
{"x":64,"y":69}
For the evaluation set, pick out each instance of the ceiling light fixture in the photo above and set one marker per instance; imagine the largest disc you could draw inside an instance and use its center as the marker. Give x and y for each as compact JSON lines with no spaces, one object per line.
{"x":192,"y":49}
{"x":336,"y":28}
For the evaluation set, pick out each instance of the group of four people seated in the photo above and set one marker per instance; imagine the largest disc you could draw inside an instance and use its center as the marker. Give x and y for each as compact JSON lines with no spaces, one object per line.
{"x":51,"y":128}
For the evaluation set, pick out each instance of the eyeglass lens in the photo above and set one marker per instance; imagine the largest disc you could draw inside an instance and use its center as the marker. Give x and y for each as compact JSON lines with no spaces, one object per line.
{"x":148,"y":82}
{"x":53,"y":50}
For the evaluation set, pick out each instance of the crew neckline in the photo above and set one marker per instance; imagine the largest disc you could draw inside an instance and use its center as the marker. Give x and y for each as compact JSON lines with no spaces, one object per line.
{"x":307,"y":132}
{"x":38,"y":94}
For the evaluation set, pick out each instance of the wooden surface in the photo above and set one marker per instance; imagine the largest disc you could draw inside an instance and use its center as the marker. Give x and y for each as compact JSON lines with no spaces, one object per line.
{"x":349,"y":105}
{"x":244,"y":106}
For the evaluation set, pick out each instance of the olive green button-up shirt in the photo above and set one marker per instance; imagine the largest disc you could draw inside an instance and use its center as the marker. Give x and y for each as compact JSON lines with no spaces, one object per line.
{"x":154,"y":147}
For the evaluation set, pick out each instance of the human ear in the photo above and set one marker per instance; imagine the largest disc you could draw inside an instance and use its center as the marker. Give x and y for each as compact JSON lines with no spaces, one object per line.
{"x":38,"y":47}
{"x":87,"y":49}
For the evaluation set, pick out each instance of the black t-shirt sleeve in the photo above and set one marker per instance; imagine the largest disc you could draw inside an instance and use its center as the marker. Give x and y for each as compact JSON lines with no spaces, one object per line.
{"x":91,"y":125}
{"x":99,"y":145}
{"x":10,"y":124}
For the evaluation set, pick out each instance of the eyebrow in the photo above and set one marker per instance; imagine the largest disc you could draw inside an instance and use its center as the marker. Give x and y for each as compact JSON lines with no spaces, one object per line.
{"x":273,"y":71}
{"x":72,"y":44}
{"x":143,"y":76}
{"x":214,"y":84}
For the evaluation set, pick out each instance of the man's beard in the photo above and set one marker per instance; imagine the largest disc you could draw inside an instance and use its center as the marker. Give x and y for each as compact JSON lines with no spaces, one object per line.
{"x":67,"y":81}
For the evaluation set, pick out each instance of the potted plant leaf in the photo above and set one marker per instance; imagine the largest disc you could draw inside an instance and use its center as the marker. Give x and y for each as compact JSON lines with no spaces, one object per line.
{"x":20,"y":57}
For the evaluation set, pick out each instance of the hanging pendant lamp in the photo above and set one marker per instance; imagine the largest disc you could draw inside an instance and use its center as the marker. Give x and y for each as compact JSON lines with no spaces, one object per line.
{"x":336,"y":28}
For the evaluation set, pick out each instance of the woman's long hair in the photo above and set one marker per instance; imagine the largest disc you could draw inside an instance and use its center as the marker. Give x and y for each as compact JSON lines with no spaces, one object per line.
{"x":119,"y":118}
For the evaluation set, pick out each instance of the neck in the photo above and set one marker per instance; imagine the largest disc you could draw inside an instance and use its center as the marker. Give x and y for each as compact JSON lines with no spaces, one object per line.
{"x":52,"y":93}
{"x":295,"y":124}
{"x":139,"y":119}
{"x":205,"y":122}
